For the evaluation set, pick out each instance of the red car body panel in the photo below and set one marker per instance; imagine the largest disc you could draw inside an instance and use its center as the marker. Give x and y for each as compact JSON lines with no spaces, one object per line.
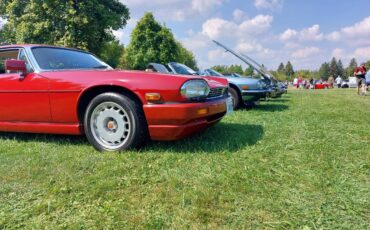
{"x":47,"y":102}
{"x":321,"y":86}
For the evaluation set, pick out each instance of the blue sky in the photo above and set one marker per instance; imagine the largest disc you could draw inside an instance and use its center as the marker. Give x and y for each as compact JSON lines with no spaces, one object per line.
{"x":271,"y":31}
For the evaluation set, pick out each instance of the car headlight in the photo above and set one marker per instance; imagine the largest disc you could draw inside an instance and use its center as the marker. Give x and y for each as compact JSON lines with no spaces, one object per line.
{"x":195,"y":89}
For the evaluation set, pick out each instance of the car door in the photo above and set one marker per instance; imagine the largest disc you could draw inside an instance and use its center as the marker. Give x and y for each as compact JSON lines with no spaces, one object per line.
{"x":22,"y":100}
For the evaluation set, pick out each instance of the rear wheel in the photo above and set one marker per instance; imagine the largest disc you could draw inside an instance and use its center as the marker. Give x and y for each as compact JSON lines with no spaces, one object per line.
{"x":115,"y":122}
{"x":235,"y":97}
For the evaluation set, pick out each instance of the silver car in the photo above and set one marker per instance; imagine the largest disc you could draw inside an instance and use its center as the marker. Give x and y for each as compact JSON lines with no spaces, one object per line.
{"x":244,"y":90}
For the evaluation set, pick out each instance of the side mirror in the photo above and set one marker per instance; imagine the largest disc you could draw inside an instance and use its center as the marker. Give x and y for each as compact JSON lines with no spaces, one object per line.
{"x":16,"y":66}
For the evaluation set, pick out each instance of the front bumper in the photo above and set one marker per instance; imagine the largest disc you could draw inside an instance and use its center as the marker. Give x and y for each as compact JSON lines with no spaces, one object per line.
{"x":254,"y":95}
{"x":173,"y":121}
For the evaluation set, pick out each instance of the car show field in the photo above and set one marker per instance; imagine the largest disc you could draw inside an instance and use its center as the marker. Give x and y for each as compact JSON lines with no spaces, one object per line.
{"x":297,"y":162}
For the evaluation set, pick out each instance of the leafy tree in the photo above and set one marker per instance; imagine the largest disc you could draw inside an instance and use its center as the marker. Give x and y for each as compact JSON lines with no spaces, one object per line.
{"x":281,"y":68}
{"x":289,"y":71}
{"x":111,"y":53}
{"x":81,"y":24}
{"x":249,"y":71}
{"x":367,"y":65}
{"x":221,"y":68}
{"x":333,"y":68}
{"x":324,"y":71}
{"x":186,"y":57}
{"x":340,"y":69}
{"x":236,"y":69}
{"x":152,"y":42}
{"x":351,"y":67}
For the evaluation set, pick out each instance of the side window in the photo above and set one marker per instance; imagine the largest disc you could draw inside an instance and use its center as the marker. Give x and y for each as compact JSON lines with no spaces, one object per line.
{"x":22,"y":56}
{"x":7,"y":55}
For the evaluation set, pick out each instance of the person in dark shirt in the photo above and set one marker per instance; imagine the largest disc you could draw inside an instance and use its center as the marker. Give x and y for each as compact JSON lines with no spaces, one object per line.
{"x":360,"y":73}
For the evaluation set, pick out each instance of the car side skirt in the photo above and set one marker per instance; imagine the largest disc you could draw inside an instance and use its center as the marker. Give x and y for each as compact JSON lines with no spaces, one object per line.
{"x":45,"y":128}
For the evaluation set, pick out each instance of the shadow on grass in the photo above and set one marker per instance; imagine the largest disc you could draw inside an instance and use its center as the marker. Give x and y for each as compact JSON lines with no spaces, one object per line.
{"x":280,"y":100}
{"x":223,"y":137}
{"x":48,"y":138}
{"x":271,"y":107}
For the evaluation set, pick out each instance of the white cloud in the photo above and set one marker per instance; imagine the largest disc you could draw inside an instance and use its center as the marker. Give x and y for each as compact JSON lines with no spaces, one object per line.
{"x":288,"y":34}
{"x":307,"y":34}
{"x":362,"y":53}
{"x":311,"y":34}
{"x":334,"y":36}
{"x":249,"y":46}
{"x":205,"y":5}
{"x":358,"y":29}
{"x":355,"y":35}
{"x":269,"y":4}
{"x":306,"y":52}
{"x":239,"y":15}
{"x":338,"y":53}
{"x":217,"y":27}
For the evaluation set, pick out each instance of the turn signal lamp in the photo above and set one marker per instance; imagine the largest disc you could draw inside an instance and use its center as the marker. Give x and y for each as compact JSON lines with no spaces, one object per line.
{"x":203,"y":111}
{"x":153,"y":97}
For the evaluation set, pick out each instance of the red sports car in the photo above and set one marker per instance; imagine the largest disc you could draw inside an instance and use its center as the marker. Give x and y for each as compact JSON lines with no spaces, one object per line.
{"x":47,"y":89}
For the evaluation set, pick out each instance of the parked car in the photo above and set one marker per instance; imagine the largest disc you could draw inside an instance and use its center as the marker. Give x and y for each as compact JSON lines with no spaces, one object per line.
{"x":272,"y":83}
{"x":244,"y":90}
{"x":350,"y":83}
{"x":55,"y":90}
{"x":321,"y":85}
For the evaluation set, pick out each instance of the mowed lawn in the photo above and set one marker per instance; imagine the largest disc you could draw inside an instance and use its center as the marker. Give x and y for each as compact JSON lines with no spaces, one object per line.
{"x":301,"y":161}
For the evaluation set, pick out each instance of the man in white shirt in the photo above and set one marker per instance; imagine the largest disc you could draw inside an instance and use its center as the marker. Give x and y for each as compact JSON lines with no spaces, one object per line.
{"x":339,"y":81}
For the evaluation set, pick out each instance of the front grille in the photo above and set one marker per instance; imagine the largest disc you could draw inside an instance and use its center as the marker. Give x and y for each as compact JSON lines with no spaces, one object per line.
{"x":217,"y":92}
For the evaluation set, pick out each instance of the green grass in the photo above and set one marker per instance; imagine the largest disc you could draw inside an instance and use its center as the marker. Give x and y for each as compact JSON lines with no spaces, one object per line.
{"x":301,"y":161}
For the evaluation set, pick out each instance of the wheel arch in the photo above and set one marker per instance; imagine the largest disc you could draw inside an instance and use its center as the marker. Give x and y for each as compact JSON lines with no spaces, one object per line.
{"x":231,"y":85}
{"x":88,"y":94}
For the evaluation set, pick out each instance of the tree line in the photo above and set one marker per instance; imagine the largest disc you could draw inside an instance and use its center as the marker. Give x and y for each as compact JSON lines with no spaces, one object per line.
{"x":89,"y":25}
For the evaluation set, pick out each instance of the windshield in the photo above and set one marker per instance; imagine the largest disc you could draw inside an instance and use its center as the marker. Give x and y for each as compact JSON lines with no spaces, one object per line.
{"x":214,"y":73}
{"x":50,"y":58}
{"x":182,"y":69}
{"x":232,"y":75}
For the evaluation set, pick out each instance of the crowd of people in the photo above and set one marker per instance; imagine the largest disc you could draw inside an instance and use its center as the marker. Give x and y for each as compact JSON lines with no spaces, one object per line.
{"x":359,"y":72}
{"x":301,"y":83}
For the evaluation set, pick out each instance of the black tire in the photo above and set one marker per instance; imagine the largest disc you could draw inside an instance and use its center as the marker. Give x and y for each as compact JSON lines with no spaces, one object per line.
{"x":235,"y":96}
{"x":134,"y":119}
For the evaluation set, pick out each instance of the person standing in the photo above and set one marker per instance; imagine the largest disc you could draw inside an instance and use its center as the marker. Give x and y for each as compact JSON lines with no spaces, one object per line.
{"x":331,"y":82}
{"x":295,"y":82}
{"x":360,"y":73}
{"x":339,"y":81}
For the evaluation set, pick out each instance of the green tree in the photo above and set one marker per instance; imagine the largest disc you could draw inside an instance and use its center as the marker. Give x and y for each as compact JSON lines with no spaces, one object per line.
{"x":324,"y":71}
{"x":220,"y":68}
{"x":81,"y":24}
{"x":111,"y":53}
{"x":186,"y":57}
{"x":340,"y":69}
{"x":152,"y":42}
{"x":289,"y":71}
{"x":281,"y":68}
{"x":351,"y":67}
{"x":367,"y":65}
{"x":249,"y":71}
{"x":333,"y":68}
{"x":236,"y":69}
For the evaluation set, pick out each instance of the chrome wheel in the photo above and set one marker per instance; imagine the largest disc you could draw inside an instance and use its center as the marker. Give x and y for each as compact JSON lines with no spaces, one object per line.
{"x":110,"y":125}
